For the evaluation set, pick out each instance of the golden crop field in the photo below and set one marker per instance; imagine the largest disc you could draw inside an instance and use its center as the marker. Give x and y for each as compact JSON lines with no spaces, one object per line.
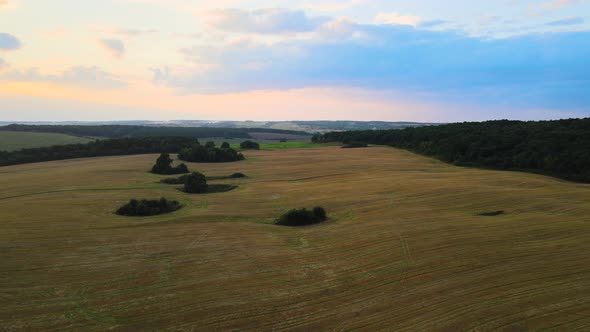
{"x":404,"y":248}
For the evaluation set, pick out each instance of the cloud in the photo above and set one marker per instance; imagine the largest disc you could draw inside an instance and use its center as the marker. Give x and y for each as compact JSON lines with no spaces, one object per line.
{"x":397,"y":18}
{"x":135,"y":32}
{"x":5,"y":4}
{"x":8,"y":42}
{"x":432,"y":23}
{"x":539,"y":70}
{"x":114,"y":46}
{"x":161,"y":75}
{"x":89,"y":77}
{"x":557,"y":4}
{"x":538,"y":9}
{"x":262,"y":21}
{"x":566,"y":21}
{"x":3,"y":64}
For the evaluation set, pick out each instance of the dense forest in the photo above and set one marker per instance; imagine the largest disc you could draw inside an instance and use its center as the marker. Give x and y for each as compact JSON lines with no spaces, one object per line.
{"x":116,"y":131}
{"x":559,"y":148}
{"x":107,"y":147}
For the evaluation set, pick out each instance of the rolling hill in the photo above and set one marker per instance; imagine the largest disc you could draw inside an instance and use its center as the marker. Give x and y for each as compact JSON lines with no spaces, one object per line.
{"x":406,"y":247}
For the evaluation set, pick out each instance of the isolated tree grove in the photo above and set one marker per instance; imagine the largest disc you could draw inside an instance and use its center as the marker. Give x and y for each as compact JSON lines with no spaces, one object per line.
{"x":164,"y":166}
{"x":196,"y":183}
{"x":249,"y":145}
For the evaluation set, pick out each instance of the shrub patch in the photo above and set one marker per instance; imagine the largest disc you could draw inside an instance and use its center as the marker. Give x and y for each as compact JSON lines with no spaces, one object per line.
{"x":302,"y":217}
{"x":144,"y":207}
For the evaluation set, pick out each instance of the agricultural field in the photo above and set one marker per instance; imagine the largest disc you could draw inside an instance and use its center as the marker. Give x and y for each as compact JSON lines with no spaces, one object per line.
{"x":407,"y":247}
{"x":265,"y":144}
{"x":11,"y":140}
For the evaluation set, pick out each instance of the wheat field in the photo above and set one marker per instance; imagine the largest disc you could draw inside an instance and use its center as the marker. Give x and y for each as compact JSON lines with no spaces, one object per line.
{"x":404,"y":248}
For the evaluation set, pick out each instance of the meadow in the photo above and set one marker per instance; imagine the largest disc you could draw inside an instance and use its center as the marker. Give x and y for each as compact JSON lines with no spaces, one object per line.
{"x":405,"y":247}
{"x":12,"y":140}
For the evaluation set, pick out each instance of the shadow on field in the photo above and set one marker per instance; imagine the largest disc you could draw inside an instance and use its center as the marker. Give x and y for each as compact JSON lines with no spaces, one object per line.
{"x":214,"y":189}
{"x":491,"y":213}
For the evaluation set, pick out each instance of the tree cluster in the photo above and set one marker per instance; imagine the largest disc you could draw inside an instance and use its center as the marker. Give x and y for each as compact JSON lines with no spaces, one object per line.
{"x":558,"y":148}
{"x":302,"y":217}
{"x":108,"y":147}
{"x":164,"y":166}
{"x":195,"y":183}
{"x":209,"y":153}
{"x":249,"y":145}
{"x":144,"y":207}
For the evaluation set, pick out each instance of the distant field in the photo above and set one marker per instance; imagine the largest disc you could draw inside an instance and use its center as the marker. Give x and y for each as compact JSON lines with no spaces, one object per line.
{"x":404,"y":249}
{"x":265,"y":144}
{"x":288,"y":145}
{"x":274,"y":145}
{"x":11,"y":140}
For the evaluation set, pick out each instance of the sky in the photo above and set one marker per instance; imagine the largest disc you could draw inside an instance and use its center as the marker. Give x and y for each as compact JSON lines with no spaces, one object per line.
{"x":390,"y":60}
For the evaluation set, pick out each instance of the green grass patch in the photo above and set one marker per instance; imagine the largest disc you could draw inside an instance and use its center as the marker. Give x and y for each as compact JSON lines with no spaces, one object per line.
{"x":288,"y":145}
{"x":12,"y":140}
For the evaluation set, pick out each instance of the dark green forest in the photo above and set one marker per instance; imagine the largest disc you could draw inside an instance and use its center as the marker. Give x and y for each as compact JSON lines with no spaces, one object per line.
{"x":117,"y":131}
{"x":107,"y":147}
{"x":558,"y":148}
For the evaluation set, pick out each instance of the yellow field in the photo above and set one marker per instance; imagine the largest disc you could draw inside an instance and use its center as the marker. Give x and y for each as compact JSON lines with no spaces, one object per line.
{"x":404,"y":249}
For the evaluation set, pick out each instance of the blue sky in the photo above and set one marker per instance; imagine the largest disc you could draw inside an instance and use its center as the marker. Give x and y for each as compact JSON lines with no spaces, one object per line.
{"x":281,"y":60}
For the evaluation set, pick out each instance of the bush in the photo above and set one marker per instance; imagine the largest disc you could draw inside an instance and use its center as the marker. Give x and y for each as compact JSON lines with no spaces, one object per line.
{"x":142,"y":208}
{"x":302,"y":217}
{"x":196,"y":183}
{"x":164,"y":166}
{"x":237,"y":176}
{"x":181,"y":169}
{"x":249,"y":145}
{"x":355,"y":145}
{"x":320,"y":212}
{"x":225,"y":145}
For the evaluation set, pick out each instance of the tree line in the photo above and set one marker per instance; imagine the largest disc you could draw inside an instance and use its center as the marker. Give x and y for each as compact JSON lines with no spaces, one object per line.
{"x":117,"y":131}
{"x":558,"y":148}
{"x":108,"y":147}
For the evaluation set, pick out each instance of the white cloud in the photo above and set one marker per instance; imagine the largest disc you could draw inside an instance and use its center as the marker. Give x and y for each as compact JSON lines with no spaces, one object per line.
{"x":263,"y":21}
{"x":538,"y":9}
{"x":90,"y":77}
{"x":5,"y":4}
{"x":566,"y":21}
{"x":114,"y":46}
{"x":135,"y":32}
{"x":398,"y":19}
